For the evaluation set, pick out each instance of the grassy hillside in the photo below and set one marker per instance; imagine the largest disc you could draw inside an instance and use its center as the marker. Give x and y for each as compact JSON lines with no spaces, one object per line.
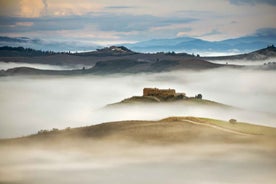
{"x":177,"y":147}
{"x":262,"y":54}
{"x":173,"y":130}
{"x":241,"y":127}
{"x":154,"y":100}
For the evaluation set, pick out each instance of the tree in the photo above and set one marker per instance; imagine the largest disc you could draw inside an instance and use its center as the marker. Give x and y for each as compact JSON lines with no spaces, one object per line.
{"x":42,"y":131}
{"x":199,"y":96}
{"x":54,"y":130}
{"x":232,"y":121}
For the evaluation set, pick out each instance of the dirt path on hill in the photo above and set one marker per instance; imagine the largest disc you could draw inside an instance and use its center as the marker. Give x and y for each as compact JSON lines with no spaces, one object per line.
{"x":214,"y":126}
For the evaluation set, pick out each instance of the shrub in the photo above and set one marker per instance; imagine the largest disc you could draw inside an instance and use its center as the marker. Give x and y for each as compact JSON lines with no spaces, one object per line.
{"x":42,"y":131}
{"x":233,"y":121}
{"x":54,"y":130}
{"x":199,"y":96}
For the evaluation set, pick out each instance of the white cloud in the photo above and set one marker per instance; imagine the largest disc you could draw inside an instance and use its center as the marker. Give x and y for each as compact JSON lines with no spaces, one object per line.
{"x":137,"y":20}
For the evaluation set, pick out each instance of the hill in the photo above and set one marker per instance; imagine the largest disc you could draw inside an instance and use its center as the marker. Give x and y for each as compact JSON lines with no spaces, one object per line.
{"x":159,"y":65}
{"x":173,"y":130}
{"x":106,"y":61}
{"x":262,"y":54}
{"x":176,"y":146}
{"x":113,"y":53}
{"x":108,"y":51}
{"x":120,"y":59}
{"x":173,"y":98}
{"x":153,"y":100}
{"x":34,"y":71}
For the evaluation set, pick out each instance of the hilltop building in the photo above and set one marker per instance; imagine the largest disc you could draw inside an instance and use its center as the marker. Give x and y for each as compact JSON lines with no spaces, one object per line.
{"x":161,"y":92}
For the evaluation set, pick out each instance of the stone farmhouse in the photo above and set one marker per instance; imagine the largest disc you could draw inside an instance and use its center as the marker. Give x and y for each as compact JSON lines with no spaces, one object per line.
{"x":161,"y":92}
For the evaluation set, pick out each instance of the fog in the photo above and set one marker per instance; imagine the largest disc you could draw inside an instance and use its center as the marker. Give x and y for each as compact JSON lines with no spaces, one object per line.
{"x":9,"y":65}
{"x":192,"y":163}
{"x":32,"y":103}
{"x":212,"y":54}
{"x":243,"y":62}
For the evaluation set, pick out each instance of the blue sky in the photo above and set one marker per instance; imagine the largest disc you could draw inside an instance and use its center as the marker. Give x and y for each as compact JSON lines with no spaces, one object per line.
{"x":127,"y":21}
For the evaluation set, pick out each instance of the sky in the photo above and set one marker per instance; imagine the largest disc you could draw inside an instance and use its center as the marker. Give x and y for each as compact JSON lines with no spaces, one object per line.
{"x":128,"y":21}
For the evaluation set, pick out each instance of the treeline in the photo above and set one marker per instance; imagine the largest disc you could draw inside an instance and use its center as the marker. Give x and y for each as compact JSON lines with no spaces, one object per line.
{"x":7,"y":51}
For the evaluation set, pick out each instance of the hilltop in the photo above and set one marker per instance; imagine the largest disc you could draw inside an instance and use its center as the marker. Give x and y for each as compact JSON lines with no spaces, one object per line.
{"x":153,"y":100}
{"x":108,"y":51}
{"x":167,"y":96}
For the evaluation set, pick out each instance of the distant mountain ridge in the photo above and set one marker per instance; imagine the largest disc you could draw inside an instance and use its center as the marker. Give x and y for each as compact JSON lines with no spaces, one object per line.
{"x":195,"y":45}
{"x":45,"y":45}
{"x":180,"y":44}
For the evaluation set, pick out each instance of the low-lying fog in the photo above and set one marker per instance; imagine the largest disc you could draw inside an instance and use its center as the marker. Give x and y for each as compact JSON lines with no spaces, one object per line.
{"x":243,"y":62}
{"x":29,"y":104}
{"x":212,"y":54}
{"x":9,"y":65}
{"x":156,"y":165}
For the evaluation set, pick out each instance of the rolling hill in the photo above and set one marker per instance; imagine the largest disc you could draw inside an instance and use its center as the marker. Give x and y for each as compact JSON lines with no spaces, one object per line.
{"x":262,"y":54}
{"x":115,"y":59}
{"x":184,"y":146}
{"x":152,"y":100}
{"x":102,"y":61}
{"x":172,"y":130}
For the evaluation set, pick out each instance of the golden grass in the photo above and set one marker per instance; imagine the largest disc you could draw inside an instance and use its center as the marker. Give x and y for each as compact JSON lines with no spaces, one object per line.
{"x":172,"y":130}
{"x":238,"y":126}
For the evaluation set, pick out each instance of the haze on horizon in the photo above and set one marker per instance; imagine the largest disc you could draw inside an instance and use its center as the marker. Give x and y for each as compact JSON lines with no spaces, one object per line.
{"x":108,"y":22}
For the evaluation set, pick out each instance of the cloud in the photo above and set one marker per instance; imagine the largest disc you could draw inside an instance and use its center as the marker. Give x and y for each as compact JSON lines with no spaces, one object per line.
{"x":266,"y":32}
{"x":253,"y":2}
{"x":31,"y":8}
{"x":45,"y":9}
{"x":10,"y":7}
{"x":95,"y":21}
{"x":213,"y":32}
{"x":119,"y":7}
{"x":24,"y":23}
{"x":125,"y":20}
{"x":14,"y":24}
{"x":138,"y":23}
